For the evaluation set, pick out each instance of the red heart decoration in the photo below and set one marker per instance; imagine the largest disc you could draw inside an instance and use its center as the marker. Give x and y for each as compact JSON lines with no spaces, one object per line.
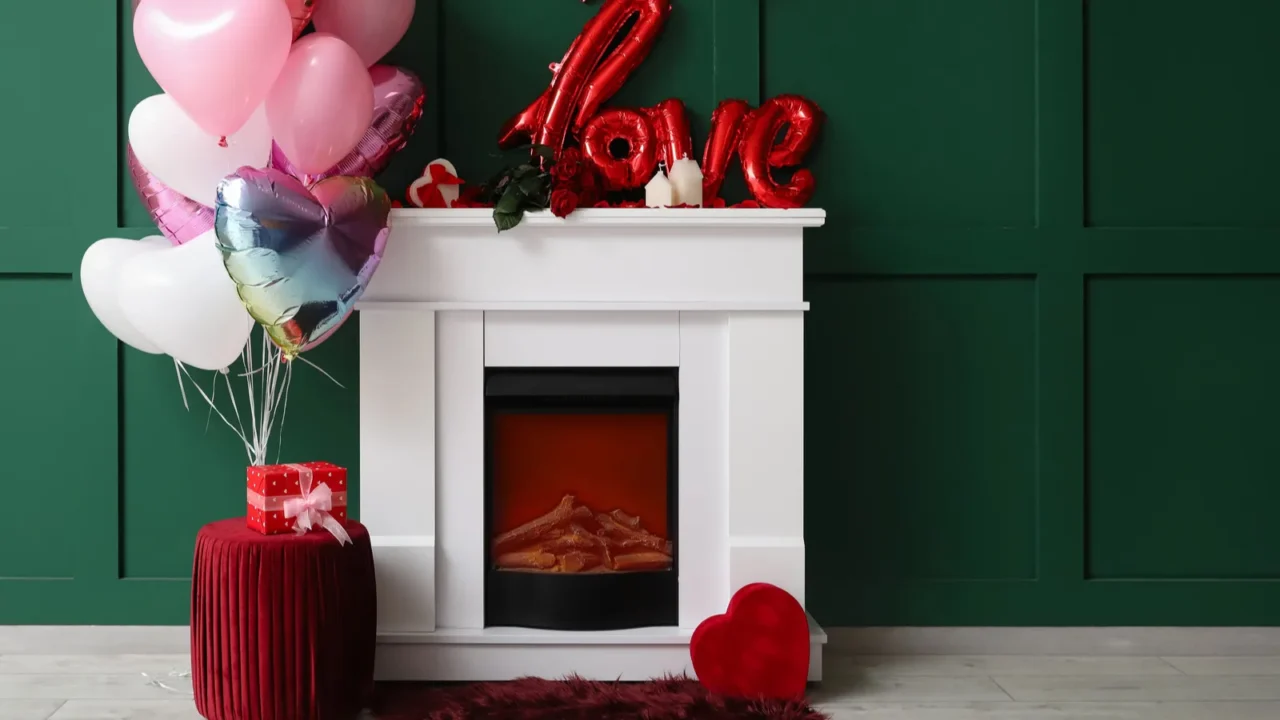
{"x":758,"y":648}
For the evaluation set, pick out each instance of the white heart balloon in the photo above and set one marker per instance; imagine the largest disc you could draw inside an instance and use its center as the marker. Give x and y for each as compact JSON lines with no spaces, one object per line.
{"x":181,"y":155}
{"x":100,"y":280}
{"x":182,"y":299}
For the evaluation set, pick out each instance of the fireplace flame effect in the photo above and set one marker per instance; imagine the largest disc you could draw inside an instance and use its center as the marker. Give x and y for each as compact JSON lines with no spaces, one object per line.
{"x":573,"y":538}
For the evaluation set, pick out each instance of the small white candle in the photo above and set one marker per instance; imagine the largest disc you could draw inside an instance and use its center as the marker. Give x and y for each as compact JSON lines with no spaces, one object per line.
{"x":659,"y":193}
{"x":686,"y":181}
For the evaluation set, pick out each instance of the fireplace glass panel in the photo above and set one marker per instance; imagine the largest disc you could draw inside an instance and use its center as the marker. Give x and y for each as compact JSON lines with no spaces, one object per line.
{"x":580,"y":496}
{"x":580,"y":492}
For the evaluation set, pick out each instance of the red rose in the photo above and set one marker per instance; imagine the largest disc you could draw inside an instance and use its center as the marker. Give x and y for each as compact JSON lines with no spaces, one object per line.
{"x":569,"y":166}
{"x":563,"y":202}
{"x":747,"y":204}
{"x":588,"y":186}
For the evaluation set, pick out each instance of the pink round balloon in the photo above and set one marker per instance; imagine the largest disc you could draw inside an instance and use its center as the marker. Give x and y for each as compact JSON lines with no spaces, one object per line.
{"x":371,"y":27}
{"x":321,"y":104}
{"x":216,"y":58}
{"x":398,"y":96}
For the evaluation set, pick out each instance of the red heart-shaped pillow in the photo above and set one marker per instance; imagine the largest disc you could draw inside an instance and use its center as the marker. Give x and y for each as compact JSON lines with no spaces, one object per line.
{"x":758,"y":648}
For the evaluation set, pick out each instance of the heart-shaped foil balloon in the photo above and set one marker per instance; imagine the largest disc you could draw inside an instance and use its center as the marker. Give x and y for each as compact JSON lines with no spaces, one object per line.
{"x":398,"y":96}
{"x":179,"y":217}
{"x":300,"y":258}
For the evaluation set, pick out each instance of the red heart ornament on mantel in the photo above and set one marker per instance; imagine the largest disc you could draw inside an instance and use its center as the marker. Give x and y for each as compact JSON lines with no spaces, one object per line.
{"x":758,"y":649}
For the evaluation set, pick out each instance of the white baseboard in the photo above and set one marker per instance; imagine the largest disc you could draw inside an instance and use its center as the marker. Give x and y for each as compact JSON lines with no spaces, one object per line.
{"x":448,"y":655}
{"x":94,"y":640}
{"x":1149,"y":641}
{"x":1146,"y":641}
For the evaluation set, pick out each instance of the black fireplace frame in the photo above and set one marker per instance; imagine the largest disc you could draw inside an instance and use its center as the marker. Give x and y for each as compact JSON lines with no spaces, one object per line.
{"x":582,"y":601}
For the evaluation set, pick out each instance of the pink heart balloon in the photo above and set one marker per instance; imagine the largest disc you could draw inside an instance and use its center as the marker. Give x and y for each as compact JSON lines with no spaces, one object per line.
{"x":321,"y":104}
{"x":372,"y":28}
{"x":300,"y":11}
{"x":179,"y":218}
{"x":216,"y":58}
{"x":398,"y":96}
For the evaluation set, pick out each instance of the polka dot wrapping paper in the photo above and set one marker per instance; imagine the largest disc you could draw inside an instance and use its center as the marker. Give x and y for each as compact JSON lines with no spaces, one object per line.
{"x":269,"y":486}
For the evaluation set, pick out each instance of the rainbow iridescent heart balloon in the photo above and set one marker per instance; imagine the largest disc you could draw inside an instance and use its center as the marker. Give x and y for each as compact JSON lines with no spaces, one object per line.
{"x":300,"y":258}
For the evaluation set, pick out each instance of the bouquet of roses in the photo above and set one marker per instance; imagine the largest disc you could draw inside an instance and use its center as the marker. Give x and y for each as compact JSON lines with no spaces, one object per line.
{"x":562,"y":184}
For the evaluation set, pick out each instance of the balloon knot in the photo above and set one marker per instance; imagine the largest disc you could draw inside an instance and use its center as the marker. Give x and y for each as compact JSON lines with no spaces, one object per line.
{"x":222,"y":141}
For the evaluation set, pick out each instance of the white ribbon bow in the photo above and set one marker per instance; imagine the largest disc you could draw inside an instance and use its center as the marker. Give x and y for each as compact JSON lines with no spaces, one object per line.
{"x":313,"y":507}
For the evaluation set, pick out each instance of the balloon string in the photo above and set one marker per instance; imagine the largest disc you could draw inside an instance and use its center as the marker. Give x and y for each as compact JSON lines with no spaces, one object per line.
{"x":213,"y":392}
{"x":288,"y":383}
{"x":177,"y":368}
{"x":253,"y":412}
{"x":238,"y":431}
{"x":267,"y":387}
{"x":157,"y":682}
{"x":322,"y":372}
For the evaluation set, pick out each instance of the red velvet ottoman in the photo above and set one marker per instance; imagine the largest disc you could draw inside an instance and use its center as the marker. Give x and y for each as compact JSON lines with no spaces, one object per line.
{"x":282,"y":626}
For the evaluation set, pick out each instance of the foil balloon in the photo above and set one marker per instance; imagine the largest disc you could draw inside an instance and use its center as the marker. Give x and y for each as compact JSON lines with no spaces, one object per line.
{"x":586,"y":78}
{"x":179,"y":218}
{"x":722,"y":143}
{"x":670,"y":124}
{"x":648,"y":16}
{"x":300,"y":11}
{"x":398,"y":97}
{"x":759,"y":154}
{"x":300,"y":258}
{"x":626,"y":128}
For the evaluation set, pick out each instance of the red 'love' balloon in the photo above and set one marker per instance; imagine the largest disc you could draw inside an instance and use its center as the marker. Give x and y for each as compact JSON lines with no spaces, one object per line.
{"x":722,"y":143}
{"x":802,"y":117}
{"x":671,"y":126}
{"x":627,"y":128}
{"x":586,"y":77}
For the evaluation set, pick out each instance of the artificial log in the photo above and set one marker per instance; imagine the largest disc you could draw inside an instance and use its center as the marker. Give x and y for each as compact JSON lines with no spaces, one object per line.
{"x":631,"y":521}
{"x":535,"y":529}
{"x":576,"y":561}
{"x":575,"y":537}
{"x":531,"y":559}
{"x":648,"y":560}
{"x":632,"y":538}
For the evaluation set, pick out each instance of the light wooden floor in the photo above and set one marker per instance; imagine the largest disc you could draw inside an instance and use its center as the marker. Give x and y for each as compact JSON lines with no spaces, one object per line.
{"x":64,"y":677}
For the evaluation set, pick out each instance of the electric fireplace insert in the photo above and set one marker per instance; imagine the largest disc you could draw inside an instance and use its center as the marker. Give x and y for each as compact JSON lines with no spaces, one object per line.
{"x":580,"y":497}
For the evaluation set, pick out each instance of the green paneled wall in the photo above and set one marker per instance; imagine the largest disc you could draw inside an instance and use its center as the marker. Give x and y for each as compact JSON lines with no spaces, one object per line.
{"x":1041,"y":368}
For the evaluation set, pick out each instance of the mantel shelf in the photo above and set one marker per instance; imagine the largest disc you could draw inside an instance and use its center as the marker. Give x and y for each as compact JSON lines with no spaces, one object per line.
{"x":687,"y":259}
{"x":616,"y":217}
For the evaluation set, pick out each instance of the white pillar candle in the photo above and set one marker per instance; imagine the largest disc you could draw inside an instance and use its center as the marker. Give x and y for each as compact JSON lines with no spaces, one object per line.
{"x":659,"y":193}
{"x":686,"y":182}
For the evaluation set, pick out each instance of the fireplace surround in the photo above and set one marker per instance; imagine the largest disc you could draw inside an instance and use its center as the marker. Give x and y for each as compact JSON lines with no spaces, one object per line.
{"x":472,"y":342}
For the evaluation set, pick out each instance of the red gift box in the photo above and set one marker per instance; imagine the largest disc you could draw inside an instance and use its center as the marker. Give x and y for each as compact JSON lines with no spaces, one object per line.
{"x":271,"y":485}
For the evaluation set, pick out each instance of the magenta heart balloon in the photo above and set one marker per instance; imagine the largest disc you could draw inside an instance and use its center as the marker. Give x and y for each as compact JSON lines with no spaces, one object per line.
{"x":300,"y":258}
{"x":398,"y":97}
{"x":179,"y":217}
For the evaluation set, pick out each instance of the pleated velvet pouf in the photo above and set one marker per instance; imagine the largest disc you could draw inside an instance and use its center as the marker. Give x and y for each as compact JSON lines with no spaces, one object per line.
{"x":282,"y":626}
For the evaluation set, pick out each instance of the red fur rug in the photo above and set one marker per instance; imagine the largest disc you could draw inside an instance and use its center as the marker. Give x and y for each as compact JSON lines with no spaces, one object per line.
{"x":577,"y":699}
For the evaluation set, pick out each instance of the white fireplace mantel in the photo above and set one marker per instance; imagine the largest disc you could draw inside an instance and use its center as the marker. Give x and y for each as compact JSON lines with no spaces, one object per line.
{"x":716,"y":293}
